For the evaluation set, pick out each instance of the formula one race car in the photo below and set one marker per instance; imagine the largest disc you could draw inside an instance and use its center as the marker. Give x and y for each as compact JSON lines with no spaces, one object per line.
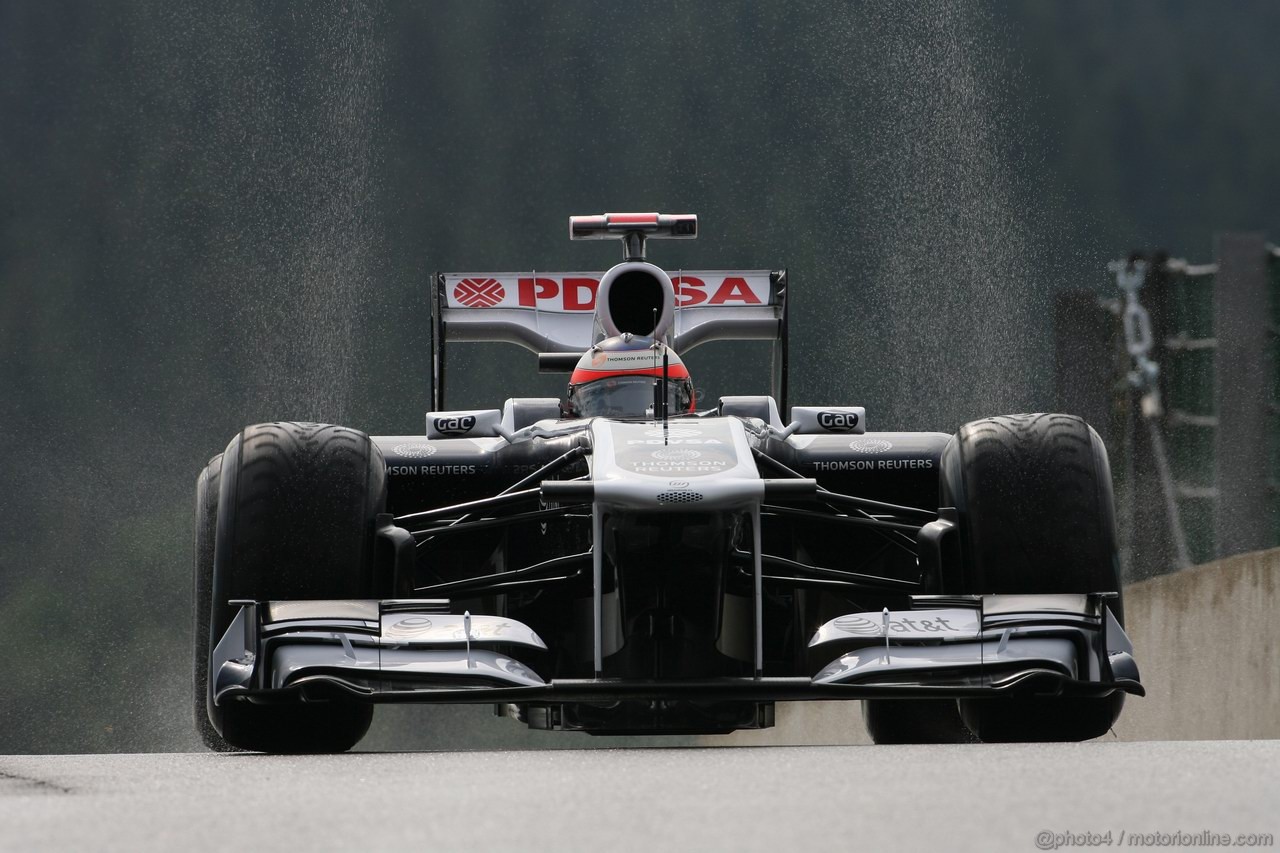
{"x":629,"y":559}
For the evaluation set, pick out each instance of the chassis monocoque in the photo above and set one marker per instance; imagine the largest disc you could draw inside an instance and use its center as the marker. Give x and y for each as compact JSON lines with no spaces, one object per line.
{"x":658,"y":574}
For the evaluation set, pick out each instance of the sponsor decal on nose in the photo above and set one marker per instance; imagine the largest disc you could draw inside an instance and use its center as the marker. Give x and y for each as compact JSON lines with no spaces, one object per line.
{"x":673,"y":432}
{"x":675,"y":454}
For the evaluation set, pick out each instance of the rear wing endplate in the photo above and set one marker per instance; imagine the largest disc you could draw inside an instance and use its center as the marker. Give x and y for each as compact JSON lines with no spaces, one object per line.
{"x":555,"y":313}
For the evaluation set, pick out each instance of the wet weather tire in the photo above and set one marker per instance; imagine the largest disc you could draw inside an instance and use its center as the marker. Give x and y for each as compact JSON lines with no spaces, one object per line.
{"x":1036,"y":516}
{"x":914,"y":721}
{"x":207,"y":487}
{"x":295,"y":520}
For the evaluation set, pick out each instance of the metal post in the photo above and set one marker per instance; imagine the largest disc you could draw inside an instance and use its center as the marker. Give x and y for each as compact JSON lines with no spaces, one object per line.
{"x":1242,"y":379}
{"x":1152,"y":538}
{"x":1177,"y":534}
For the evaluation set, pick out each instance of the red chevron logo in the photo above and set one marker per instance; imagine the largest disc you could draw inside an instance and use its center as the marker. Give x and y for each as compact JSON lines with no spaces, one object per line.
{"x":479,"y":292}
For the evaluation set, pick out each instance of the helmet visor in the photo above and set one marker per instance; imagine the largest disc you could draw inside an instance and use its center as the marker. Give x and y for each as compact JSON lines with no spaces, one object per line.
{"x":627,"y":397}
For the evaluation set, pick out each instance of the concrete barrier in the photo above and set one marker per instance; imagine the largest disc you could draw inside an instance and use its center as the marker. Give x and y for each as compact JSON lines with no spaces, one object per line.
{"x":1207,"y":640}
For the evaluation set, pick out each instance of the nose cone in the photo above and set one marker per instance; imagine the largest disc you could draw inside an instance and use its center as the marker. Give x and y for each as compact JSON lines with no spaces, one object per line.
{"x":702,"y":464}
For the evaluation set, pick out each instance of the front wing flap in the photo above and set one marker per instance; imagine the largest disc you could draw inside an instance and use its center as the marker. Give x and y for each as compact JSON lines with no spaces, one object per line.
{"x":417,"y":651}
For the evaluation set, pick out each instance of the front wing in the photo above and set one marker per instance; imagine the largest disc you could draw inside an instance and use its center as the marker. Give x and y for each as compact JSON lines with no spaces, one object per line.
{"x":418,"y":651}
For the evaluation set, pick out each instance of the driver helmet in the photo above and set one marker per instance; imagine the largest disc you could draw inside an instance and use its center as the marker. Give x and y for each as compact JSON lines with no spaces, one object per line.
{"x":615,"y":378}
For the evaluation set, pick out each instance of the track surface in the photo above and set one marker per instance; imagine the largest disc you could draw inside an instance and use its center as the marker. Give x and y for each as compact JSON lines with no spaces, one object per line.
{"x":779,"y":798}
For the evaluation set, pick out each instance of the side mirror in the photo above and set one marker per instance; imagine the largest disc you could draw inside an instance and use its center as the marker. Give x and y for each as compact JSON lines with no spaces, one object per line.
{"x":828,"y":420}
{"x":475,"y":423}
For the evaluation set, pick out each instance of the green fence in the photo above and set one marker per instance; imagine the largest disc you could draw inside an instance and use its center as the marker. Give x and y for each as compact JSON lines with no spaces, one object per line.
{"x":1191,"y":416}
{"x":1216,"y":338}
{"x":1273,"y":401}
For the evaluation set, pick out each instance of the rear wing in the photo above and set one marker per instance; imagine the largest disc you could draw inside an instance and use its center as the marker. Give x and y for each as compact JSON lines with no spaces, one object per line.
{"x":555,"y":313}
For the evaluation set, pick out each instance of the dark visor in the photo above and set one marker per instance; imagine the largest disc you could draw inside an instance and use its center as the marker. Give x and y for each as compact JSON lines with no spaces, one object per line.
{"x":627,"y":396}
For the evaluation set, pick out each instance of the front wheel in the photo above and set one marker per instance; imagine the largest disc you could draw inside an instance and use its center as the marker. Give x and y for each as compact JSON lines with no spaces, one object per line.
{"x":207,"y":490}
{"x":914,"y":721}
{"x":295,"y":519}
{"x":1037,"y":515}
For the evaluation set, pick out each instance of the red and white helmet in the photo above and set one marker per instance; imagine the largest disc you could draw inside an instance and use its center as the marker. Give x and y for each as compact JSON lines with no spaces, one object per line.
{"x":615,"y":378}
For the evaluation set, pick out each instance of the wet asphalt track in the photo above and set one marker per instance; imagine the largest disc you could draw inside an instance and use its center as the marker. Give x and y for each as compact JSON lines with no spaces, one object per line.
{"x":761,"y":798}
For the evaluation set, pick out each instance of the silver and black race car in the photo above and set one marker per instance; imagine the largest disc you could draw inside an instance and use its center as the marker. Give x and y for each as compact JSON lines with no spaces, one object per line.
{"x":629,"y":559}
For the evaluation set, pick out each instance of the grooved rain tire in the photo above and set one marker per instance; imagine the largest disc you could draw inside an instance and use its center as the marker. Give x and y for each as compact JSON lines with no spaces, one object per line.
{"x":295,"y":520}
{"x":891,"y":721}
{"x":1037,"y":515}
{"x":207,"y":487}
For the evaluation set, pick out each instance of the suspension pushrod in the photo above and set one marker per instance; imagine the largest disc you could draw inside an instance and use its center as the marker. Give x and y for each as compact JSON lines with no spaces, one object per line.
{"x":823,"y":494}
{"x":785,"y":580}
{"x":842,"y":519}
{"x":867,"y":503}
{"x":494,"y":502}
{"x":853,"y":578}
{"x":896,"y":538}
{"x":568,"y":457}
{"x":500,"y":521}
{"x":507,"y":577}
{"x":891,"y":537}
{"x":516,"y":585}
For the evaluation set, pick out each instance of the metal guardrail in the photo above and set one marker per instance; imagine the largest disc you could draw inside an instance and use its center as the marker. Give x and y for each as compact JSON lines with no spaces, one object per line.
{"x":1194,"y":432}
{"x":1220,"y":384}
{"x":1193,"y":415}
